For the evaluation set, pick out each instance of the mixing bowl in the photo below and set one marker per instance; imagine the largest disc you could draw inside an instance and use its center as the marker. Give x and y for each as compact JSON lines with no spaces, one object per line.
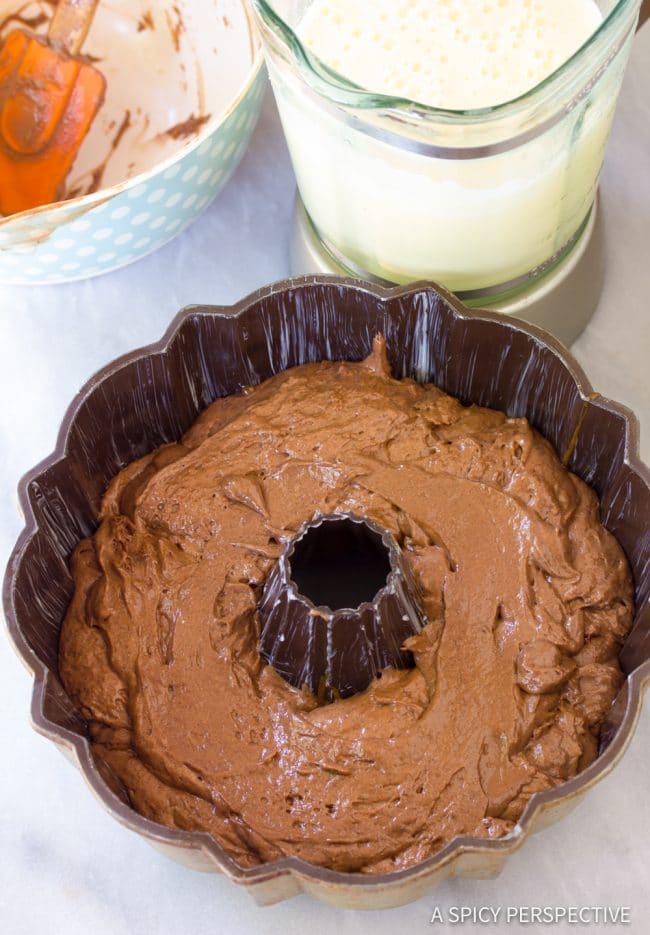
{"x":184,"y":89}
{"x":154,"y":394}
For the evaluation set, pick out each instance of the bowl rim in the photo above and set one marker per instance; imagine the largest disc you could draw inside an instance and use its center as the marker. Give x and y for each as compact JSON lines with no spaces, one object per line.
{"x":293,"y":866}
{"x":82,"y":203}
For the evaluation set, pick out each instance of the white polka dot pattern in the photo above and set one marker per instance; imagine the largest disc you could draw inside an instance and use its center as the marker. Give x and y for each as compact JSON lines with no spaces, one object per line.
{"x":60,"y":246}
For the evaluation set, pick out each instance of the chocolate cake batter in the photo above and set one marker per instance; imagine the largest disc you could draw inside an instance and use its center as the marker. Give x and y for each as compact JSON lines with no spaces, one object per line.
{"x":528,"y":599}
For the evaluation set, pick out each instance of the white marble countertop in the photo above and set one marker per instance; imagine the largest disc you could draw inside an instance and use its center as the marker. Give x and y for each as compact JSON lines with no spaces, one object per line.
{"x":66,"y":866}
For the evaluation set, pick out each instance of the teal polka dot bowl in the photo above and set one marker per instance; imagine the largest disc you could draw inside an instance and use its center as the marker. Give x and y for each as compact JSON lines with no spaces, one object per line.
{"x":101,"y":231}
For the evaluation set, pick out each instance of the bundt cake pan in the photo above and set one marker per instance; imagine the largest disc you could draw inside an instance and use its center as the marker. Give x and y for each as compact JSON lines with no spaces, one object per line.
{"x":153,"y":395}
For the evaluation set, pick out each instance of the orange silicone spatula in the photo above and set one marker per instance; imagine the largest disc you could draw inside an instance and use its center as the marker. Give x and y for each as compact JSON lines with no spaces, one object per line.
{"x":48,"y":100}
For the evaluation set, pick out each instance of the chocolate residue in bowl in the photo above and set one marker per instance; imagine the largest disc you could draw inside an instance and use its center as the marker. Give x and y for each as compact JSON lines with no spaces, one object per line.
{"x":20,"y":17}
{"x":146,"y":22}
{"x":123,"y":127}
{"x":95,"y":176}
{"x":176,"y":25}
{"x":187,"y":128}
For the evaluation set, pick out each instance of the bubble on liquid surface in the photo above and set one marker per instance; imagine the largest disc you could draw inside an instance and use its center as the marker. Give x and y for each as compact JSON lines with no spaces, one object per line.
{"x":448,"y":53}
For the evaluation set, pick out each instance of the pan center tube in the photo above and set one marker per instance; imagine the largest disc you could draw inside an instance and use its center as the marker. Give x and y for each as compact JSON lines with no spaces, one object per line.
{"x":340,"y":564}
{"x":338,"y":606}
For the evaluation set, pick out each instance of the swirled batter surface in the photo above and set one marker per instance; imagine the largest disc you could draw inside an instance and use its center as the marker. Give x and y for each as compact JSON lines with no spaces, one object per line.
{"x":528,"y":599}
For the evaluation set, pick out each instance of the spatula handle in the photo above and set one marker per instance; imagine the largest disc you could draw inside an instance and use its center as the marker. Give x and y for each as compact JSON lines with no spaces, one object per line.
{"x":70,"y":24}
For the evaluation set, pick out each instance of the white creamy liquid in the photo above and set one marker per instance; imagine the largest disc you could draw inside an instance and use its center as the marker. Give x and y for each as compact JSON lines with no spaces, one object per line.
{"x":453,"y":54}
{"x":469,"y":223}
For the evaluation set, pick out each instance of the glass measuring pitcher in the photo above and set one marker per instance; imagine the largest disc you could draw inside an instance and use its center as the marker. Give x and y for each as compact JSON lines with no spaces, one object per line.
{"x":485,"y":201}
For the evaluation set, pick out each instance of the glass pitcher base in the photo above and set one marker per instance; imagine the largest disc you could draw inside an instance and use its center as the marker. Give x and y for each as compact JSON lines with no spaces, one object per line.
{"x":561,"y":298}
